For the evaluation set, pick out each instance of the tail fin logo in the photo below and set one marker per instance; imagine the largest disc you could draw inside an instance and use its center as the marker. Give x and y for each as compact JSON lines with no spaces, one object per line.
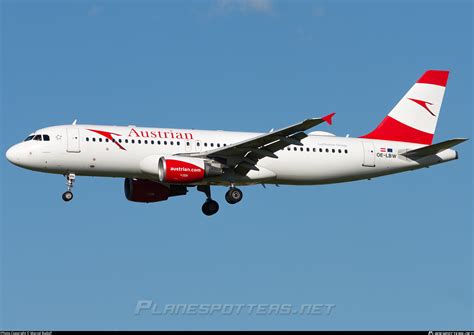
{"x":423,"y":104}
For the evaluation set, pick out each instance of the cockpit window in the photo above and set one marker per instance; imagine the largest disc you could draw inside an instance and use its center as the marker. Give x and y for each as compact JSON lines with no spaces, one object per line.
{"x":37,"y":138}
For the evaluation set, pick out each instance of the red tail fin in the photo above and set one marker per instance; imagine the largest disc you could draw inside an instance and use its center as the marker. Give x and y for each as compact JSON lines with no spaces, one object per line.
{"x":415,"y":116}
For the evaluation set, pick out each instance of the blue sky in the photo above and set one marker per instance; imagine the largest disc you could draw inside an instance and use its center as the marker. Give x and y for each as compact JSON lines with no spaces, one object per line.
{"x":390,"y":253}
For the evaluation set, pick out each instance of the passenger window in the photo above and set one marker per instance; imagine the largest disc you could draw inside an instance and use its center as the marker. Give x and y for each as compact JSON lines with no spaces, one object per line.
{"x":93,"y":139}
{"x":288,"y":148}
{"x":301,"y":149}
{"x":218,"y":145}
{"x":120,"y":140}
{"x":314,"y":149}
{"x":158,"y":142}
{"x":100,"y":139}
{"x":327,"y":150}
{"x":307,"y":149}
{"x":295,"y":148}
{"x":146,"y":142}
{"x":171,"y":142}
{"x":165,"y":143}
{"x":187,"y":143}
{"x":87,"y":139}
{"x":107,"y":140}
{"x":37,"y":138}
{"x":45,"y":137}
{"x":212,"y":144}
{"x":133,"y":141}
{"x":333,"y":151}
{"x":345,"y":151}
{"x":177,"y":143}
{"x":205,"y":144}
{"x":152,"y":142}
{"x":320,"y":149}
{"x":198,"y":144}
{"x":340,"y":151}
{"x":126,"y":141}
{"x":139,"y":141}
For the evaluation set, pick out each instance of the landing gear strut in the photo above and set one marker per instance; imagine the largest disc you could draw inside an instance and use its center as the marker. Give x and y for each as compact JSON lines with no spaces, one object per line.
{"x":70,"y":177}
{"x":210,"y":207}
{"x":233,"y":195}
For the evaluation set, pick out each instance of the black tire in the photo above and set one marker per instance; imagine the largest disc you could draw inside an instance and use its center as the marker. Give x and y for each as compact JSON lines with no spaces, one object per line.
{"x":210,"y":207}
{"x":233,"y":195}
{"x":227,"y":198}
{"x":67,"y":196}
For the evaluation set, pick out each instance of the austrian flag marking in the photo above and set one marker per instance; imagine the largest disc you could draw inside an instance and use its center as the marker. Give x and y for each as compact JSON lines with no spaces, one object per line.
{"x":386,"y":153}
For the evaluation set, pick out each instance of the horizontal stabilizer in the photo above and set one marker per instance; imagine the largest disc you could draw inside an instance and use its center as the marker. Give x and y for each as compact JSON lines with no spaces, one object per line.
{"x":433,"y":149}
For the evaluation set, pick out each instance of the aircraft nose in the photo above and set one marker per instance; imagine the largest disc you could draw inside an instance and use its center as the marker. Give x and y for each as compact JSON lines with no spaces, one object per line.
{"x":9,"y":154}
{"x":13,"y":155}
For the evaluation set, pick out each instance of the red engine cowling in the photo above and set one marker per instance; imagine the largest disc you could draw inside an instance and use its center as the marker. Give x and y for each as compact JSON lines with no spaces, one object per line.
{"x":140,"y":190}
{"x":173,"y":169}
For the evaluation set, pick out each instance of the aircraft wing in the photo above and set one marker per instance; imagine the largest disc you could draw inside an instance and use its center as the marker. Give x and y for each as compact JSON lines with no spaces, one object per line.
{"x":243,"y":156}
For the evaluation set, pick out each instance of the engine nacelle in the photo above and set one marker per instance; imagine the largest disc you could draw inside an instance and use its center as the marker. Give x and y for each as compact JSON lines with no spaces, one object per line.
{"x":141,"y":190}
{"x":174,"y":169}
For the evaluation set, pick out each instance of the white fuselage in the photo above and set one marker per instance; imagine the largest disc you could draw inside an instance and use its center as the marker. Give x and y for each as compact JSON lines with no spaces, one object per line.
{"x":94,"y":150}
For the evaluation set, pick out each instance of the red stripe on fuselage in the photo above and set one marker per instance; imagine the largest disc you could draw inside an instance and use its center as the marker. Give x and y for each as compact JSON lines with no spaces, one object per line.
{"x":108,"y":135}
{"x":392,"y":130}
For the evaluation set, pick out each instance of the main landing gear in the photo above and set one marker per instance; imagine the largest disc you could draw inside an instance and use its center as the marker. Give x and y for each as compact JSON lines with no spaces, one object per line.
{"x":233,"y":195}
{"x":211,"y":207}
{"x":70,"y":177}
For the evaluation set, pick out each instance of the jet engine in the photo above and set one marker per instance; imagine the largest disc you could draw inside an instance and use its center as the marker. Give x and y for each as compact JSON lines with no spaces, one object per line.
{"x":141,"y":190}
{"x":174,"y":169}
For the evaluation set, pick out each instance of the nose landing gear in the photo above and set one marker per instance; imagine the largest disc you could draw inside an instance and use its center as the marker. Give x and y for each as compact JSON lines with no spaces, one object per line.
{"x":67,"y":196}
{"x":70,"y":177}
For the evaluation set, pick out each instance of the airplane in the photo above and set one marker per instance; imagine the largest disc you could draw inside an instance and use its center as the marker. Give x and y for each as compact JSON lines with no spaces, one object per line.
{"x":159,"y":163}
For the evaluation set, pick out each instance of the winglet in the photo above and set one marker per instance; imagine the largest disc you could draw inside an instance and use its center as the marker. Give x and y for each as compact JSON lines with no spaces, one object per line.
{"x":328,"y":118}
